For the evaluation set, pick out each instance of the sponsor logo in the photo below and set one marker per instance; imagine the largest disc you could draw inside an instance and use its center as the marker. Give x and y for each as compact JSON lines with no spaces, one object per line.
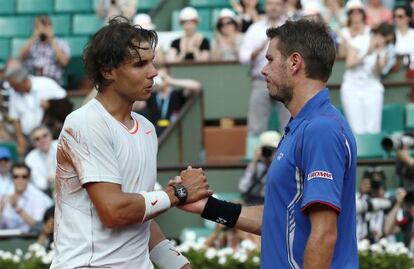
{"x":148,"y":132}
{"x":221,"y":220}
{"x":320,"y":174}
{"x":280,"y":156}
{"x":154,"y":203}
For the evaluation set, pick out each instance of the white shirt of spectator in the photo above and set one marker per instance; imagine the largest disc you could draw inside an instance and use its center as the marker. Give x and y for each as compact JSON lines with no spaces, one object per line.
{"x":42,"y":165}
{"x":6,"y":185}
{"x":26,"y":107}
{"x":253,"y":39}
{"x":104,"y":151}
{"x":33,"y":201}
{"x":404,"y":43}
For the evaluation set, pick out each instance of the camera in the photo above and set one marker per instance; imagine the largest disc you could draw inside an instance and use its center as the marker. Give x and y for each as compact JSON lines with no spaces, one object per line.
{"x":398,"y":141}
{"x":268,"y":151}
{"x":43,"y":37}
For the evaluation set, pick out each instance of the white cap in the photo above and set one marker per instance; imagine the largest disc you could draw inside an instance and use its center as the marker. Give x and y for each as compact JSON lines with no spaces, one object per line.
{"x":270,"y":138}
{"x":227,"y":13}
{"x":354,"y":4}
{"x":311,"y":9}
{"x":144,"y":20}
{"x":188,"y":14}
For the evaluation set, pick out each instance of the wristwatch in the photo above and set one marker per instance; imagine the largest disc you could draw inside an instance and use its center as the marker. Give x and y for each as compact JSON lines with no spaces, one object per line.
{"x":181,"y":193}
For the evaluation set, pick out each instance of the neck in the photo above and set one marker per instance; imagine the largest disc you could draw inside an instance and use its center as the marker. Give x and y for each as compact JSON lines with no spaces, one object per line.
{"x":357,"y":26}
{"x":302,"y":94}
{"x":116,"y":105}
{"x":403,"y":29}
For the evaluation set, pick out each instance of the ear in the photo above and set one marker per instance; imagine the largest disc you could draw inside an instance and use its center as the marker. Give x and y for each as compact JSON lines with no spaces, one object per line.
{"x":107,"y":73}
{"x":295,"y":63}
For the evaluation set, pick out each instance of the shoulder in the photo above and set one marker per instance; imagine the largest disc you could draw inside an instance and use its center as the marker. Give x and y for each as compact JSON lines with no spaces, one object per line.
{"x":89,"y":114}
{"x":44,"y":82}
{"x":31,"y":155}
{"x":323,"y":127}
{"x":176,"y":42}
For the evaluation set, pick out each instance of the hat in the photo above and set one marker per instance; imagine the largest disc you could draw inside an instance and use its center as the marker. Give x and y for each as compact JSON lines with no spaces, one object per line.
{"x":354,"y":4}
{"x":270,"y":138}
{"x":5,"y":153}
{"x":311,"y":9}
{"x":188,"y":14}
{"x":227,"y":13}
{"x":144,"y":20}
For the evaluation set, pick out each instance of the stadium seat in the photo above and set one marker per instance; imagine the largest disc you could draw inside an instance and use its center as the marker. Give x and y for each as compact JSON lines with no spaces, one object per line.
{"x":369,"y":146}
{"x":16,"y":26}
{"x":392,"y":118}
{"x":86,"y":24}
{"x":61,"y":24}
{"x":16,"y":45}
{"x":204,"y":25}
{"x":4,"y":48}
{"x":8,"y":7}
{"x":73,"y":6}
{"x":209,"y":3}
{"x":76,"y":44}
{"x":147,"y":5}
{"x":35,"y":6}
{"x":409,"y":116}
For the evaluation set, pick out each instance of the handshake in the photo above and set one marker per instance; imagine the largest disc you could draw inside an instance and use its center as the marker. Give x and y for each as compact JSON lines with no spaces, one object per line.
{"x":190,"y":190}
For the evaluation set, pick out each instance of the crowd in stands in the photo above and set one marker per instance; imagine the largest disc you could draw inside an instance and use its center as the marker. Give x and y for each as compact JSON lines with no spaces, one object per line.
{"x":369,"y":35}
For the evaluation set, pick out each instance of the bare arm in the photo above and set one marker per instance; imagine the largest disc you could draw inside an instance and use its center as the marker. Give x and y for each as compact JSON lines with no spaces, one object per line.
{"x":390,"y":221}
{"x":156,"y":235}
{"x":250,"y":219}
{"x":21,"y":140}
{"x":61,"y":57}
{"x":117,"y":208}
{"x":321,"y":242}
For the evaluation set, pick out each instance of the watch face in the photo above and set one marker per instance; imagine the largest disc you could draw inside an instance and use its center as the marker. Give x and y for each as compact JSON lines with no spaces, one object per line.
{"x":181,"y":191}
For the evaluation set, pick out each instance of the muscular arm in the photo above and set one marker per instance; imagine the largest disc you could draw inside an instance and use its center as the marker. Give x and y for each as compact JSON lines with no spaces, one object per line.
{"x":321,"y":242}
{"x":117,"y":208}
{"x":250,"y":219}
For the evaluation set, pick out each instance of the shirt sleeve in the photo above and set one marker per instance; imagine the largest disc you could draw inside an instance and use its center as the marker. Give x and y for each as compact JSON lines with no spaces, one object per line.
{"x":87,"y":145}
{"x":53,"y":90}
{"x":250,"y":42}
{"x":324,"y":161}
{"x":13,"y":112}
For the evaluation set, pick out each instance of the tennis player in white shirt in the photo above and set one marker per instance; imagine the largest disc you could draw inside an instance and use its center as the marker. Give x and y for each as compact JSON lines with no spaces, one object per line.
{"x":105,"y":196}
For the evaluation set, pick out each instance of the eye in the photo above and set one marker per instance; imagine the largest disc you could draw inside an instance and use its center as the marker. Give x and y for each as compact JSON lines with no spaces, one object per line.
{"x":140,"y":63}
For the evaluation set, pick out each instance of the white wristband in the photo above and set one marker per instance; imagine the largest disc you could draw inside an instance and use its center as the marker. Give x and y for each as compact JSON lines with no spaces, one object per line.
{"x":155,"y":202}
{"x":166,"y":256}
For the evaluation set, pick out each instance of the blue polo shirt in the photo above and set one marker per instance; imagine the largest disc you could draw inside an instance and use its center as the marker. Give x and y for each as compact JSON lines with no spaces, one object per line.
{"x":315,"y":163}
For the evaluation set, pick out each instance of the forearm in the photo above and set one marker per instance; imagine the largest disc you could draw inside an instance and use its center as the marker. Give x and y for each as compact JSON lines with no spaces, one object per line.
{"x":61,"y":57}
{"x":25,"y":216}
{"x":319,"y":251}
{"x":24,"y":52}
{"x":250,"y":219}
{"x":18,"y":130}
{"x":390,"y":220}
{"x":156,"y":235}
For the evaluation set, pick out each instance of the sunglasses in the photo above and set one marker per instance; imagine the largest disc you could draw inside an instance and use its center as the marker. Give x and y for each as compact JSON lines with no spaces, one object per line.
{"x":399,"y":16}
{"x":222,"y":23}
{"x":38,"y":138}
{"x":20,"y":176}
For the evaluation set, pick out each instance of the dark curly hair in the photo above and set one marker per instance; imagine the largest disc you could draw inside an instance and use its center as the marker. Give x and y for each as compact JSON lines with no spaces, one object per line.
{"x":112,"y":45}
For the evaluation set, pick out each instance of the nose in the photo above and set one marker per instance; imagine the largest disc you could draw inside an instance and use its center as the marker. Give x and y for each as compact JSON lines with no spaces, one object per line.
{"x":264,"y":71}
{"x":154,"y":72}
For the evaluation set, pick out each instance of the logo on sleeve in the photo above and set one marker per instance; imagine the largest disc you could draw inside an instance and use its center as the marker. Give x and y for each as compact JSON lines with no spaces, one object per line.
{"x":320,"y":174}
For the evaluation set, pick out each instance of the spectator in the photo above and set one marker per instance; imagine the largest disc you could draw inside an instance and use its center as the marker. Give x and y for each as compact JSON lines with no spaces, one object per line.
{"x":42,"y":159}
{"x":6,"y":183}
{"x":30,"y":97}
{"x":107,"y":9}
{"x":377,"y":13}
{"x":334,"y":15}
{"x":228,"y":37}
{"x":253,"y":52}
{"x":45,"y":238}
{"x":293,"y":9}
{"x":404,"y":34}
{"x":252,"y":183}
{"x":362,"y":92}
{"x":192,"y":45}
{"x":371,"y":205}
{"x":247,"y":11}
{"x":43,"y":54}
{"x":168,"y":99}
{"x":26,"y":206}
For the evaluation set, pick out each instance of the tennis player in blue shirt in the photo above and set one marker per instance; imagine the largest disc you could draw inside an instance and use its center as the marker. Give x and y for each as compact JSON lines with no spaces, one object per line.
{"x":308,"y":219}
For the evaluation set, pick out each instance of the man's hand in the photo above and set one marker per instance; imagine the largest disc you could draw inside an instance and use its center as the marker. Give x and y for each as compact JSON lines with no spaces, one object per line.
{"x":196,"y":184}
{"x":21,"y":146}
{"x":196,"y":207}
